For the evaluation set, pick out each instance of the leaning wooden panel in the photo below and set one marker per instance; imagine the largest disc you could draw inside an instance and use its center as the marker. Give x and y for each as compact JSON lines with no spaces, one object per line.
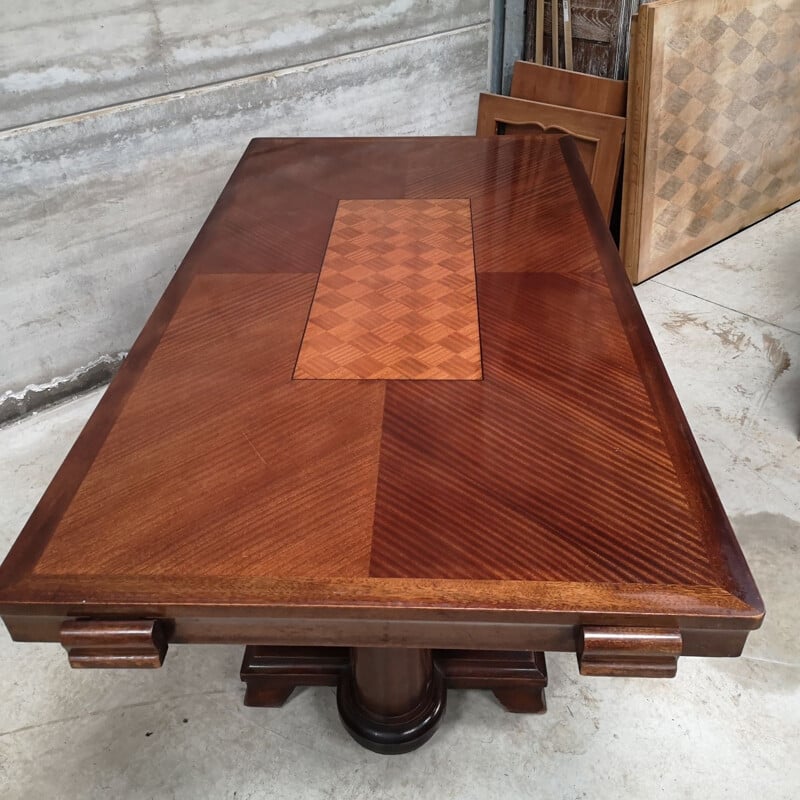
{"x":572,"y":89}
{"x":720,"y":105}
{"x":599,"y":136}
{"x":635,"y":163}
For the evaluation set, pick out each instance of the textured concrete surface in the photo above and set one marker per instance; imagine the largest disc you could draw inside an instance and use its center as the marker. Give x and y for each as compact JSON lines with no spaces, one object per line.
{"x":64,"y":58}
{"x":721,"y":729}
{"x":33,"y":397}
{"x":99,"y":209}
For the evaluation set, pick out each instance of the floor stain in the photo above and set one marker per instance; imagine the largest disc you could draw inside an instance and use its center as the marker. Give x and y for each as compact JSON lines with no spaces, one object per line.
{"x":725,"y":331}
{"x":777,"y":355}
{"x":772,"y":350}
{"x":779,"y":358}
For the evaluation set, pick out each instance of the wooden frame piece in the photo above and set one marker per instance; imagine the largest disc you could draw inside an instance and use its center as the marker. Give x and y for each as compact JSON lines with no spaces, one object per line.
{"x":539,"y":32}
{"x":554,"y":50}
{"x":599,"y":136}
{"x":573,"y":89}
{"x":634,"y":161}
{"x":567,"y":13}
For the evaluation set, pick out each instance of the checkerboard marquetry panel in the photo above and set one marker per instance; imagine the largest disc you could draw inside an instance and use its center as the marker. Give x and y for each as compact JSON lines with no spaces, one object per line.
{"x":396,"y":295}
{"x":728,"y":119}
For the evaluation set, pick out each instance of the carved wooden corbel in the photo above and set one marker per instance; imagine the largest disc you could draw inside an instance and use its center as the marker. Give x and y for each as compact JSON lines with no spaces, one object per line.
{"x":114,"y":644}
{"x":629,"y":652}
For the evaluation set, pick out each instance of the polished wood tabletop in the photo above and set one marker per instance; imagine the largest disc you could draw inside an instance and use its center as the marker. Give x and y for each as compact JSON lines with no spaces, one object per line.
{"x":398,"y":400}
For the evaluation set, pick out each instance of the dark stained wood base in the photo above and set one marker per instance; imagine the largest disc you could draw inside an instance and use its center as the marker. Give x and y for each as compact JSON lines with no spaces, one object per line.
{"x":518,"y":679}
{"x":271,"y":674}
{"x":391,"y":700}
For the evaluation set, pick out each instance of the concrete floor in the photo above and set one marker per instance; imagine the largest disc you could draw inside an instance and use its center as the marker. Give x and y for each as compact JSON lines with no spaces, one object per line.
{"x":728,"y":325}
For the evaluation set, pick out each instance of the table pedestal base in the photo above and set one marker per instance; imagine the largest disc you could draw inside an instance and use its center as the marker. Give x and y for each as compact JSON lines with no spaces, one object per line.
{"x":392,"y":699}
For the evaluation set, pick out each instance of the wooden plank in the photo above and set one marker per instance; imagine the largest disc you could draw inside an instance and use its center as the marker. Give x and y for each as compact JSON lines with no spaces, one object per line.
{"x":634,"y":163}
{"x":554,"y":49}
{"x":539,"y":31}
{"x":595,"y":19}
{"x":653,"y":60}
{"x":567,"y":35}
{"x":573,"y":89}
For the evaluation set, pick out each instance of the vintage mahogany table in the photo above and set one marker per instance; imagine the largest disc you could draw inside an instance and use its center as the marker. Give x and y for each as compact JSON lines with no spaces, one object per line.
{"x":397,"y":425}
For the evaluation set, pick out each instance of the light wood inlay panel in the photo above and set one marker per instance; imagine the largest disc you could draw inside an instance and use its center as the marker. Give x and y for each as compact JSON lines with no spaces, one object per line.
{"x":396,"y":295}
{"x":713,"y":116}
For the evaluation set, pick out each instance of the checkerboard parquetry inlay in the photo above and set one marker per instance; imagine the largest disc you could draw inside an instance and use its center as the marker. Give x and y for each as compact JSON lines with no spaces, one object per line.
{"x":396,"y":295}
{"x":728,"y":116}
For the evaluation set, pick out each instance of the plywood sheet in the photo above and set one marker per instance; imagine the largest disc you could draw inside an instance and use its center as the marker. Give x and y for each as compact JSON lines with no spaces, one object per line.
{"x":714,"y":118}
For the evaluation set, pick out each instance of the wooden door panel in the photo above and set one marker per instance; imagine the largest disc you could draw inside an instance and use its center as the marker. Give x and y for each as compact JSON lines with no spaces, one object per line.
{"x":600,"y":35}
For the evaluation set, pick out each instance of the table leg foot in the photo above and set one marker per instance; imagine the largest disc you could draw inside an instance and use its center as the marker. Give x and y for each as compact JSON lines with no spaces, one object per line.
{"x":521,"y":700}
{"x":391,"y":700}
{"x":518,"y":679}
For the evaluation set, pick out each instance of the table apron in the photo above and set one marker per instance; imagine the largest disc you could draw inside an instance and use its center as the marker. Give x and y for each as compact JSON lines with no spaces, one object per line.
{"x":523,"y":636}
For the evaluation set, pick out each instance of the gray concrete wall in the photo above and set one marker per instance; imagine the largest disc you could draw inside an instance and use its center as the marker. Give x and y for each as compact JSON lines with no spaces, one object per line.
{"x":123,"y":121}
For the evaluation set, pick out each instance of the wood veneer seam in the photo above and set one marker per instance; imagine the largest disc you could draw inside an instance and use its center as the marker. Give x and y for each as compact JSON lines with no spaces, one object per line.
{"x":477,"y":292}
{"x":379,"y":448}
{"x":316,"y":287}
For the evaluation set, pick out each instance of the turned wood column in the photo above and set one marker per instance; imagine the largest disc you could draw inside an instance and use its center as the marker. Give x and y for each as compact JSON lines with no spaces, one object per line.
{"x":391,"y":699}
{"x":389,"y":680}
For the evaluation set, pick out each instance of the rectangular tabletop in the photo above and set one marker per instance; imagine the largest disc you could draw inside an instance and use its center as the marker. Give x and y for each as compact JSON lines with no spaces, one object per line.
{"x":394,"y":382}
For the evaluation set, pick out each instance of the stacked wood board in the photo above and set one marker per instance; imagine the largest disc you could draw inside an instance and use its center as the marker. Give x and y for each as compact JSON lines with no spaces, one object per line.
{"x":713,"y":125}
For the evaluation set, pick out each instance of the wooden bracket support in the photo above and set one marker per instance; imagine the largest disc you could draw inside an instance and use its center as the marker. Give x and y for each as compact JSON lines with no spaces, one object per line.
{"x":518,"y":679}
{"x":114,"y":644}
{"x":272,"y":673}
{"x":629,"y":652}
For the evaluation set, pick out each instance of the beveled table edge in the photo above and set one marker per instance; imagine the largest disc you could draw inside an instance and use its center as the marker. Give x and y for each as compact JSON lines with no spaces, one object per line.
{"x":553,"y":602}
